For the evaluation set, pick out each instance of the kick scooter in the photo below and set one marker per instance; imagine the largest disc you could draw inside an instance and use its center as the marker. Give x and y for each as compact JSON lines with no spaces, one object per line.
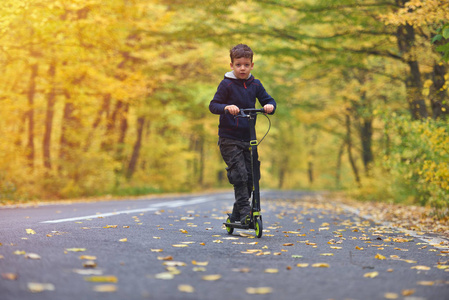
{"x":255,"y":215}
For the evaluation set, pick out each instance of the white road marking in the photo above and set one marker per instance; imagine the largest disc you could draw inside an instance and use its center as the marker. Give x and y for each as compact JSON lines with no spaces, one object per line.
{"x":152,"y":207}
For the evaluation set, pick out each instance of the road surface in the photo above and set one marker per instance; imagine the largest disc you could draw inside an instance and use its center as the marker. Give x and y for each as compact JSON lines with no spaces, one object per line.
{"x":176,"y":248}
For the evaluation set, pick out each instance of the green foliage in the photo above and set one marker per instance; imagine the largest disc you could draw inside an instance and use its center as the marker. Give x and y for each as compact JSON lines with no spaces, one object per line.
{"x":417,"y":160}
{"x":442,"y":35}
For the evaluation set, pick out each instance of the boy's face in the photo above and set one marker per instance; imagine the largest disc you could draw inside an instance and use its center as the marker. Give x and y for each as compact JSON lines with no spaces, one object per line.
{"x":242,"y":67}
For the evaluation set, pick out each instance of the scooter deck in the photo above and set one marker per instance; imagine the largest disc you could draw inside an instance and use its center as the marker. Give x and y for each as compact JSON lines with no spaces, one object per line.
{"x":238,"y":225}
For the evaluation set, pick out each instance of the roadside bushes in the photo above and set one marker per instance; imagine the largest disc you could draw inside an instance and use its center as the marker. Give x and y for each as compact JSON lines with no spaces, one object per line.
{"x":417,"y":160}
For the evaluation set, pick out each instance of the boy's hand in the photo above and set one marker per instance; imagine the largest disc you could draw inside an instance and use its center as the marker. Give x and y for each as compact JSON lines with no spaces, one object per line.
{"x":268,"y":108}
{"x":232,"y":109}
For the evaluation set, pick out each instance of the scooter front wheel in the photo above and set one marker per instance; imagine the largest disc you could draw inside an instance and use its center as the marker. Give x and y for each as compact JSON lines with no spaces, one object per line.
{"x":258,"y":226}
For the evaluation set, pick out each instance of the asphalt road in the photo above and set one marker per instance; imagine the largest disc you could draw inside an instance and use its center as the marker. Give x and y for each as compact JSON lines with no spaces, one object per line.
{"x":176,"y":248}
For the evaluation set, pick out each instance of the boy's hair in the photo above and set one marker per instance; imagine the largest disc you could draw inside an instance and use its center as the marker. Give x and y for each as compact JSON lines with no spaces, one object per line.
{"x":241,"y":50}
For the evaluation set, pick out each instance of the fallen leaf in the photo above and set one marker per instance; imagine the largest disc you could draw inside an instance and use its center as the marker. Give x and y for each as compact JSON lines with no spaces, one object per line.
{"x":88,"y":272}
{"x":165,"y":257}
{"x":156,"y":250}
{"x":183,"y":231}
{"x":200,"y":263}
{"x":391,"y":296}
{"x":174,"y":263}
{"x":380,"y":256}
{"x":108,"y":278}
{"x":271,"y":271}
{"x":302,"y":265}
{"x":180,"y":245}
{"x":10,"y":276}
{"x":110,"y":226}
{"x":408,"y":292}
{"x":327,"y":254}
{"x":259,"y":290}
{"x":241,"y":270}
{"x":165,"y":276}
{"x":123,"y":240}
{"x":297,"y":256}
{"x":32,"y":256}
{"x":76,"y":249}
{"x":321,"y":265}
{"x":199,"y":269}
{"x":421,"y":268}
{"x":213,"y":277}
{"x":358,"y":248}
{"x":88,"y":257}
{"x":19,"y":252}
{"x":35,"y":287}
{"x":105,"y":288}
{"x":371,"y":274}
{"x":288,"y":244}
{"x":426,"y":283}
{"x":90,"y":264}
{"x":30,"y":231}
{"x":185,"y":288}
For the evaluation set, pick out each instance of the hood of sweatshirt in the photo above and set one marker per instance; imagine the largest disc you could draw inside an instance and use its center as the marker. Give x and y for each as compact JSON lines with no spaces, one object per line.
{"x":231,"y":75}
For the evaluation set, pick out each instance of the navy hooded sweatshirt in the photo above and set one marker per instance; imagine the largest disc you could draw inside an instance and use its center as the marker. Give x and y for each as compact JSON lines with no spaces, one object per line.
{"x":243,"y":94}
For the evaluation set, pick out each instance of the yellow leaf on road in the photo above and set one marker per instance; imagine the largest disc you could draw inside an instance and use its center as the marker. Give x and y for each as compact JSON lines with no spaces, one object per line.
{"x":302,"y":265}
{"x":35,"y":287}
{"x":426,"y":283}
{"x":76,"y":249}
{"x":421,"y":268}
{"x":88,"y":257}
{"x":371,"y":274}
{"x":30,"y":231}
{"x":123,"y":240}
{"x":105,"y":288}
{"x":391,"y":296}
{"x":200,"y":263}
{"x":321,"y":265}
{"x":213,"y":277}
{"x":327,"y":254}
{"x":380,"y":256}
{"x":108,"y":278}
{"x":271,"y":270}
{"x":185,"y":288}
{"x":180,"y":245}
{"x":259,"y":290}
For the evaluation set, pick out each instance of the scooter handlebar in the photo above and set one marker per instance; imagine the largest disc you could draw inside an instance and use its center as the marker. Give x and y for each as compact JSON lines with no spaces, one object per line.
{"x":246,"y":112}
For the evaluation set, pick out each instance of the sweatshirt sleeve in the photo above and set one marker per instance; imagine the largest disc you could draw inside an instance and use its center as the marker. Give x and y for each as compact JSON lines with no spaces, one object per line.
{"x":264,"y":98}
{"x":218,"y":103}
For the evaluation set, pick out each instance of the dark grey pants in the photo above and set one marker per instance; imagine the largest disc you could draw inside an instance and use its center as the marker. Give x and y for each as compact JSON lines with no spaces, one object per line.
{"x":237,"y":157}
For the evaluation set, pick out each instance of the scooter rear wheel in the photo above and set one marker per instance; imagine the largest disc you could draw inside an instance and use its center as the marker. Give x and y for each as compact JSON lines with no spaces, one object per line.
{"x":258,"y":226}
{"x":229,"y":229}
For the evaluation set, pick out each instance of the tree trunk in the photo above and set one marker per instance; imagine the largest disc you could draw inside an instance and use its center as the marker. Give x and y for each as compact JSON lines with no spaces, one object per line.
{"x":438,"y":94}
{"x":106,"y":145}
{"x":103,"y":110}
{"x":338,"y":168}
{"x":136,"y":149}
{"x":349,"y":149}
{"x":68,"y":141}
{"x":123,"y":129}
{"x":30,"y":115}
{"x":51,"y":96}
{"x":366,"y":137}
{"x":406,"y":43}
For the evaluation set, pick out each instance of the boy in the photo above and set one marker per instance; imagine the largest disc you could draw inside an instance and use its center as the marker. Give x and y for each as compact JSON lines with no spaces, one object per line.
{"x":239,"y":89}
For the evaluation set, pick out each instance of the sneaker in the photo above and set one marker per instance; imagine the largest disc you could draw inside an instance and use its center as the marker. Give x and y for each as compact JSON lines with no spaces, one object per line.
{"x":245,"y":220}
{"x":232,"y":218}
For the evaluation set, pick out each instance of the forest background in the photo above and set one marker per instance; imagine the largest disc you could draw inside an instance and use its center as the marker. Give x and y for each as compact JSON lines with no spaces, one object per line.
{"x":111,"y":97}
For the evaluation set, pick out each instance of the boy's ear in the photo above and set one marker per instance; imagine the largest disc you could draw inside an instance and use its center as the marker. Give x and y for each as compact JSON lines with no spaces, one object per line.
{"x":232,"y":65}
